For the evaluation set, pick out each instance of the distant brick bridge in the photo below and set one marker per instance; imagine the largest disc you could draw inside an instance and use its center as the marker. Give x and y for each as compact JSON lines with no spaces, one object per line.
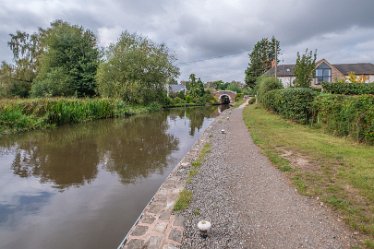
{"x":225,"y":96}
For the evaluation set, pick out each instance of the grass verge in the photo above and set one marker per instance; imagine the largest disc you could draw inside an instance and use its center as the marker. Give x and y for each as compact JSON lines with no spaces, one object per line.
{"x":184,"y":199}
{"x":197,"y":163}
{"x":185,"y":196}
{"x":337,"y":170}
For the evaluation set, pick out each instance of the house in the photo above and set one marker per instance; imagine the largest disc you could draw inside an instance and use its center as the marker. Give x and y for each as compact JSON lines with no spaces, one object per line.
{"x":326,"y":72}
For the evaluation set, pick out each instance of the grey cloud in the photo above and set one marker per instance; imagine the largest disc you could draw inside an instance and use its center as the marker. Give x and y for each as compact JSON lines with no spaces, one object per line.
{"x":197,"y":29}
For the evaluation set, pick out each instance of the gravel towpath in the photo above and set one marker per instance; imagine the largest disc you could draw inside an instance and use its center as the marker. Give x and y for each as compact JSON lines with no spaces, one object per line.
{"x":250,"y":203}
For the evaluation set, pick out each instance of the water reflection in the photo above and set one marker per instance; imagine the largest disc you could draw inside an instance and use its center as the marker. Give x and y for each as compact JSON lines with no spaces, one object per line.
{"x":70,"y":156}
{"x":64,"y":188}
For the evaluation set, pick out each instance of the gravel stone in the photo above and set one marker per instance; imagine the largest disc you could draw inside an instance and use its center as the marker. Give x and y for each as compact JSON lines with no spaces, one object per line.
{"x":175,"y":235}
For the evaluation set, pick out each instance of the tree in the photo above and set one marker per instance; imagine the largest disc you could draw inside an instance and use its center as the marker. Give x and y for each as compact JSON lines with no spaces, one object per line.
{"x":5,"y":79}
{"x":68,"y":63}
{"x":136,"y":70}
{"x":195,"y":87}
{"x":20,"y":75}
{"x":235,"y":86}
{"x":305,"y":68}
{"x":260,"y":59}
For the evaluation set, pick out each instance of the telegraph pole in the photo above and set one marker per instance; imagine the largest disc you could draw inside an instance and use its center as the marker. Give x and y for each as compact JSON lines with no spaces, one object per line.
{"x":276,"y":62}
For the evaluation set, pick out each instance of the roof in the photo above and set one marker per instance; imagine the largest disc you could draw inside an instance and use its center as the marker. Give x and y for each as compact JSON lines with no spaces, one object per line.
{"x":358,"y":68}
{"x":177,"y":88}
{"x":287,"y":70}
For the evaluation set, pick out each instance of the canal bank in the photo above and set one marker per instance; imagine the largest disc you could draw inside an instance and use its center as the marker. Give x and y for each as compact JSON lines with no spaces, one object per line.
{"x":158,"y":226}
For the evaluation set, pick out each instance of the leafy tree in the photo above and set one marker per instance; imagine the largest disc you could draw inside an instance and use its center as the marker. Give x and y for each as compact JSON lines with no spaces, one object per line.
{"x":16,"y":79}
{"x":195,"y":87}
{"x":352,"y":77}
{"x":223,"y":86}
{"x":136,"y":70}
{"x":260,"y":59}
{"x":305,"y":68}
{"x":68,"y":63}
{"x":234,"y":86}
{"x":5,"y":79}
{"x":215,"y":84}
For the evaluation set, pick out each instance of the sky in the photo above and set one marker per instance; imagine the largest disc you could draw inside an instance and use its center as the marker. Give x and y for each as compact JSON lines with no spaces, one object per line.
{"x":211,"y":38}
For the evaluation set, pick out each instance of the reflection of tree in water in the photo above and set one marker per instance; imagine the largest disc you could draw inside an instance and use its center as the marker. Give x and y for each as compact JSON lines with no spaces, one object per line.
{"x":137,"y":146}
{"x":69,"y":156}
{"x":176,"y":112}
{"x":197,"y":115}
{"x":64,"y":156}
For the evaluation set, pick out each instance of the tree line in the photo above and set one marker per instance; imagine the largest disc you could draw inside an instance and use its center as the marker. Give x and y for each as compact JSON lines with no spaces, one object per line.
{"x":65,"y":60}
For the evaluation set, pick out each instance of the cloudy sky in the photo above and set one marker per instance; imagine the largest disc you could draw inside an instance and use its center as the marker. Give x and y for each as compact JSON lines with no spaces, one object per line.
{"x":211,"y":38}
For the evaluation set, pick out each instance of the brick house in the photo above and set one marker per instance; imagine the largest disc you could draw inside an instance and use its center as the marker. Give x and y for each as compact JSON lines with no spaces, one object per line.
{"x":326,"y":72}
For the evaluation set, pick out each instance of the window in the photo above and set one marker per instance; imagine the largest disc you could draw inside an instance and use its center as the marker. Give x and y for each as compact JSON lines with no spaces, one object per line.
{"x":323,"y":73}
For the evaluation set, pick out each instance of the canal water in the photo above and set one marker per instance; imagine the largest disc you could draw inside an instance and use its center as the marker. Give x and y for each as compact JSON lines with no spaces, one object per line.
{"x":83,"y":186}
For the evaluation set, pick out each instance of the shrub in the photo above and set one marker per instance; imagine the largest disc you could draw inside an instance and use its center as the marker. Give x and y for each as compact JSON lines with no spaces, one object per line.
{"x":266,"y":84}
{"x":239,"y":96}
{"x":348,"y":88}
{"x":248,"y":91}
{"x":252,"y":100}
{"x":291,"y":103}
{"x":346,"y":115}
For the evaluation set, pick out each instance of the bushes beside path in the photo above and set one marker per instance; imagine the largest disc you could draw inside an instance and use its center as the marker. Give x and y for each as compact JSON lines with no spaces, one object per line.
{"x":341,"y":115}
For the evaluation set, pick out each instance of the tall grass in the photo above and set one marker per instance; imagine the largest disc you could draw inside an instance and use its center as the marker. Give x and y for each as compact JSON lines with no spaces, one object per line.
{"x":18,"y":115}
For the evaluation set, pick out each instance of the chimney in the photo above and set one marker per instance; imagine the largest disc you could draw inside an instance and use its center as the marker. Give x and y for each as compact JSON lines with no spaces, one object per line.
{"x":273,"y":63}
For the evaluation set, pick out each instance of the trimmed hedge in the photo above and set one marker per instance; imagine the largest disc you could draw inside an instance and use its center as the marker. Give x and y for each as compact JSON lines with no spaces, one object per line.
{"x":291,"y":103}
{"x":348,"y":88}
{"x":346,"y":115}
{"x":341,"y":115}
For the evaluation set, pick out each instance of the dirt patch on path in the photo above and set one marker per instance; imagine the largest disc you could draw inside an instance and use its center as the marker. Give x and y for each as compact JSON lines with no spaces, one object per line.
{"x":250,"y":203}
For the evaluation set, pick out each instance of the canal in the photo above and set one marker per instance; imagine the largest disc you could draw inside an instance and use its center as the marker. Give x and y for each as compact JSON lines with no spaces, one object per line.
{"x":83,"y":186}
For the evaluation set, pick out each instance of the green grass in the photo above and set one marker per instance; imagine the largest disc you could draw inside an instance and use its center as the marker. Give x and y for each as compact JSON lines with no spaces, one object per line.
{"x":238,"y":102}
{"x":18,"y":115}
{"x":340,"y":171}
{"x":198,"y":162}
{"x":184,"y":199}
{"x":196,"y":212}
{"x":185,"y":196}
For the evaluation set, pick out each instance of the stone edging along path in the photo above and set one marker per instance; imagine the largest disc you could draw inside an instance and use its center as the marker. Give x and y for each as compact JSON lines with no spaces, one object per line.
{"x":158,"y":226}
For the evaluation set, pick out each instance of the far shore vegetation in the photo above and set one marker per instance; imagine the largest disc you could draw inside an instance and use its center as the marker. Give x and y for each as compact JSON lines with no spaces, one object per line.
{"x":59,"y":75}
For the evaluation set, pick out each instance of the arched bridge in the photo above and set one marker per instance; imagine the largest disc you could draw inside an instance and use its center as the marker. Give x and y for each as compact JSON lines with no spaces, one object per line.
{"x":225,"y":96}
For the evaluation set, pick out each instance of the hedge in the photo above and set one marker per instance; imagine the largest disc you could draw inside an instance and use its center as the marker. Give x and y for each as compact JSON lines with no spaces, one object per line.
{"x":348,"y":88}
{"x":266,"y":84}
{"x":346,"y":115}
{"x":291,"y":103}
